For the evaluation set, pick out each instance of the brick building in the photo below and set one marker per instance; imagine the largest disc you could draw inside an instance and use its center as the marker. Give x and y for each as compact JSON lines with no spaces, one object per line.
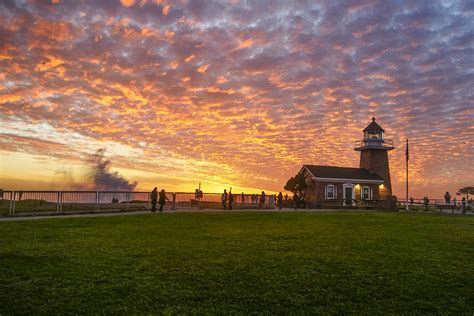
{"x":368,"y":185}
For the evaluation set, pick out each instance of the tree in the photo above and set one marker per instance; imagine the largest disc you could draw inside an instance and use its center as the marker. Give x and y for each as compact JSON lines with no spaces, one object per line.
{"x":297,"y":184}
{"x":467,"y":191}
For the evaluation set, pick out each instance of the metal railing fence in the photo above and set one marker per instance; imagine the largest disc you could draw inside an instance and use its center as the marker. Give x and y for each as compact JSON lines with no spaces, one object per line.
{"x":25,"y":202}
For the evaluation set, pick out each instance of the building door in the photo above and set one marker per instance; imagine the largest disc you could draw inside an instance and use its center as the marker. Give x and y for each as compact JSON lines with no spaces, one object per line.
{"x":347,"y":196}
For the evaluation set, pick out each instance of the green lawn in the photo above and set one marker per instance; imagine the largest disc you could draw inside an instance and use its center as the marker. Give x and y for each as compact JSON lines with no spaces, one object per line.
{"x":248,"y":262}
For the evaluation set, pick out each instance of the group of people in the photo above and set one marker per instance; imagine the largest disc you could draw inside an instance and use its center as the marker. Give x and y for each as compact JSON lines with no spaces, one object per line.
{"x":228,"y":199}
{"x":198,"y":197}
{"x":158,"y":198}
{"x":463,"y":205}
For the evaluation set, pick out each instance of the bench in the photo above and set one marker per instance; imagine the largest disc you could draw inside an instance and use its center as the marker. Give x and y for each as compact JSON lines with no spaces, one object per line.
{"x":442,"y":207}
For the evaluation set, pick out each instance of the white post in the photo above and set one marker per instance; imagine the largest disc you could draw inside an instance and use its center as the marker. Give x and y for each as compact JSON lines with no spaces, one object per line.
{"x":58,"y":202}
{"x":127,"y":196}
{"x":13,"y":204}
{"x":12,"y":197}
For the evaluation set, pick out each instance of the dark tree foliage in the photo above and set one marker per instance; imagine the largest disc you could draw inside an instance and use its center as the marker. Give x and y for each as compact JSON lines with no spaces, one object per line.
{"x":466,"y":191}
{"x":297,"y":184}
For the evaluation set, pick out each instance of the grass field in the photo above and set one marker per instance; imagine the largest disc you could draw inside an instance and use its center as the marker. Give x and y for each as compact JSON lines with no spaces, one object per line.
{"x":248,"y":262}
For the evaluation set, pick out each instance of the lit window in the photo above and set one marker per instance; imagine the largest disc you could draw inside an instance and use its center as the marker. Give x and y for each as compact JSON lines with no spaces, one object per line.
{"x":366,"y":193}
{"x":330,"y":192}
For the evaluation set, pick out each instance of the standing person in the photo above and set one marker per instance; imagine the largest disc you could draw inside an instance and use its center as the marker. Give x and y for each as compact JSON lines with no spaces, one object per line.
{"x":286,"y":196}
{"x":271,"y":201}
{"x":426,"y":201}
{"x":447,"y":198}
{"x":224,"y":197}
{"x":231,"y":200}
{"x":162,"y":200}
{"x":296,"y":200}
{"x":154,"y":199}
{"x":196,"y":198}
{"x":201,"y":197}
{"x":263,"y":197}
{"x":280,"y":200}
{"x":455,"y":205}
{"x":463,"y":205}
{"x":242,"y":196}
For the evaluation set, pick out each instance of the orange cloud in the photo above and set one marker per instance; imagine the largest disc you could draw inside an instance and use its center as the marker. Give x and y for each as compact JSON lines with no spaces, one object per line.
{"x":245,"y":44}
{"x":203,"y":68}
{"x":166,"y":10}
{"x":134,"y":84}
{"x":127,"y":3}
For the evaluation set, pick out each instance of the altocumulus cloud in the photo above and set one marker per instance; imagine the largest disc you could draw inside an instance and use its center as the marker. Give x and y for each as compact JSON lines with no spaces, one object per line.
{"x":241,"y":92}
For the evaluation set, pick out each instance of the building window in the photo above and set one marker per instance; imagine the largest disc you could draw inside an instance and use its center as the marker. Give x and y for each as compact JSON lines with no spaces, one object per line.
{"x":330,"y":192}
{"x":366,"y":193}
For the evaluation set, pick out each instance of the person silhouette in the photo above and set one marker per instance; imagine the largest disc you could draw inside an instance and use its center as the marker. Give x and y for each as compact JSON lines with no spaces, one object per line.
{"x":224,"y":197}
{"x":296,"y":200}
{"x":447,"y":198}
{"x":262,"y":200}
{"x":201,"y":197}
{"x":280,"y":200}
{"x":231,"y":200}
{"x":162,"y":200}
{"x":154,"y":199}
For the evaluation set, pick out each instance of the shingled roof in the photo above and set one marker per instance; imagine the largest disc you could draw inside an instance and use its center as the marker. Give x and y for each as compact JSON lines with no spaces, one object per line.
{"x":373,"y":127}
{"x":341,"y":173}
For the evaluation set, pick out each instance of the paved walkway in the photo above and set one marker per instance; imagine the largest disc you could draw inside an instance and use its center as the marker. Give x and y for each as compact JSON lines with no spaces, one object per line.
{"x":122,"y":213}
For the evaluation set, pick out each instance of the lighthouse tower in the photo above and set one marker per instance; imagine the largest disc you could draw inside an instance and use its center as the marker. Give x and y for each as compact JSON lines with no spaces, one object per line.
{"x":374,"y":155}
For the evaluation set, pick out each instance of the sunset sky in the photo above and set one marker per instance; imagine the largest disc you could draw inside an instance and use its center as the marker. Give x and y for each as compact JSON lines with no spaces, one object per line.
{"x":233,"y":93}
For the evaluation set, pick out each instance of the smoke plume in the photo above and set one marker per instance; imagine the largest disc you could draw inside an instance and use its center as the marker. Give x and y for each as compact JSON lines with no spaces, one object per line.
{"x":104,"y":179}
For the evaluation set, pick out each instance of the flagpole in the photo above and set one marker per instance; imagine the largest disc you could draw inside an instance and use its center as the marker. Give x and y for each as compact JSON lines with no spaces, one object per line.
{"x":406,"y":206}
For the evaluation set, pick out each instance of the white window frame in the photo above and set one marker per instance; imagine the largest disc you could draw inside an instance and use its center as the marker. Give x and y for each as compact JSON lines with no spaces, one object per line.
{"x":326,"y":191}
{"x":370,"y":197}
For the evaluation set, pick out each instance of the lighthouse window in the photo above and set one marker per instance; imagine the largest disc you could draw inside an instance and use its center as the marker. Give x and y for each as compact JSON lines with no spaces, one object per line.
{"x":330,"y":192}
{"x":366,"y":193}
{"x":375,"y":136}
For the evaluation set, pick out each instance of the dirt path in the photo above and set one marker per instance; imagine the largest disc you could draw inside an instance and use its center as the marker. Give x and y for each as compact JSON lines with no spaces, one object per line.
{"x":121,"y":213}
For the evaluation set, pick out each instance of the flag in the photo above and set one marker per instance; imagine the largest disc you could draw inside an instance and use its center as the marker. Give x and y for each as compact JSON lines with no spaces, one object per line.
{"x":406,"y":152}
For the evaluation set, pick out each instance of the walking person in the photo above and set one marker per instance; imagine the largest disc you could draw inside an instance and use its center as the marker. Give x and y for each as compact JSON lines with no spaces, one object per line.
{"x":242,"y":196}
{"x":463,"y":205}
{"x":296,"y":200}
{"x":280,"y":200}
{"x":231,"y":200}
{"x":447,"y":198}
{"x":455,"y":205}
{"x":162,"y":200}
{"x":224,"y":197}
{"x":154,"y":199}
